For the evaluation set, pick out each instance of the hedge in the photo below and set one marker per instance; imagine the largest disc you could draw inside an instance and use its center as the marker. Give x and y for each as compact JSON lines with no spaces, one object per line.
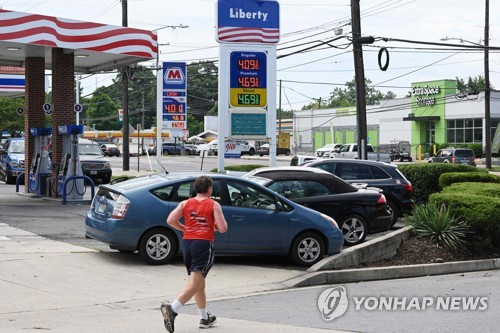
{"x":480,"y":211}
{"x":424,"y":177}
{"x":490,"y":190}
{"x":446,"y":179}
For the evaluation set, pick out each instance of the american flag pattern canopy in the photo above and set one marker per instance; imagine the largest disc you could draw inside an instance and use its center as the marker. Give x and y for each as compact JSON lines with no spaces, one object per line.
{"x":44,"y":30}
{"x":248,"y":35}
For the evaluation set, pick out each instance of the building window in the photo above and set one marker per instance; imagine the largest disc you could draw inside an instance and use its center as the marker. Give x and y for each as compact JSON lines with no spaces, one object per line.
{"x":462,"y":131}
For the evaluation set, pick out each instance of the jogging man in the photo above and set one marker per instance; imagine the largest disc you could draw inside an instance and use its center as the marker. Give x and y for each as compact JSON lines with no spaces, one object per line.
{"x":202,"y":216}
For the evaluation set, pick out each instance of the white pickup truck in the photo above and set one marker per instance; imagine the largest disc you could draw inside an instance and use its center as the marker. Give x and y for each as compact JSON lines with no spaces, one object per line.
{"x":246,"y":147}
{"x":350,"y":150}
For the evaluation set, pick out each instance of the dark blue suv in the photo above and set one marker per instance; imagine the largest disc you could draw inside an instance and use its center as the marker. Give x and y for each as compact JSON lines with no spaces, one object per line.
{"x":396,"y":188}
{"x":12,"y":159}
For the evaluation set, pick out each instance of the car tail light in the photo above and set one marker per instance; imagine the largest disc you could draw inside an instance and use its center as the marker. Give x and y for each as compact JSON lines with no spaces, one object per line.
{"x":408,"y":187}
{"x":382,"y":200}
{"x":121,"y":206}
{"x":453,"y":159}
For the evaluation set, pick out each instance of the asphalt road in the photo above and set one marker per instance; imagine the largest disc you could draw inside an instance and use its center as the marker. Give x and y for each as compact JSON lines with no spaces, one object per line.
{"x":299,"y":307}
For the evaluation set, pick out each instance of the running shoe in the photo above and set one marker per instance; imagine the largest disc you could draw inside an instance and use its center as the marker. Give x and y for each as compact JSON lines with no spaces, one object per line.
{"x":168,"y":317}
{"x":207,"y":323}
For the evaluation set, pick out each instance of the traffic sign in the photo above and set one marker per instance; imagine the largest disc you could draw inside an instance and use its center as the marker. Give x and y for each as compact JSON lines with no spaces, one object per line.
{"x":20,"y":111}
{"x":47,"y":107}
{"x":78,"y":108}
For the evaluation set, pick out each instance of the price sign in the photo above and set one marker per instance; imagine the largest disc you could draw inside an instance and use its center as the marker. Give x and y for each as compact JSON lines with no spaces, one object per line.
{"x":174,"y":112}
{"x":248,"y":79}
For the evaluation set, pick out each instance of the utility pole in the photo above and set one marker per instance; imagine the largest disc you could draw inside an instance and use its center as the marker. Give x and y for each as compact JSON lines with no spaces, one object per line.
{"x":487,"y":114}
{"x":279,"y":127}
{"x":125,"y":73}
{"x":359,"y":78}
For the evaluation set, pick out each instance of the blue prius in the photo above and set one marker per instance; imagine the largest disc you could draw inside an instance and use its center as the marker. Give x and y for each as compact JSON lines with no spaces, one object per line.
{"x":131,"y":216}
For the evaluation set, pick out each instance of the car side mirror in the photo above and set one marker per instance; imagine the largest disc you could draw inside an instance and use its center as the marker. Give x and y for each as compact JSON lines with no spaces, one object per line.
{"x":279,"y":206}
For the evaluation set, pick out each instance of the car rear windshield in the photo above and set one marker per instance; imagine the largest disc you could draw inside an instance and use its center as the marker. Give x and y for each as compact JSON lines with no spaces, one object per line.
{"x":464,"y":153}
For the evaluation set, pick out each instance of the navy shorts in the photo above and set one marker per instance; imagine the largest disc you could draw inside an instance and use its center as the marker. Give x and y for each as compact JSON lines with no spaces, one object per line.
{"x":198,"y":255}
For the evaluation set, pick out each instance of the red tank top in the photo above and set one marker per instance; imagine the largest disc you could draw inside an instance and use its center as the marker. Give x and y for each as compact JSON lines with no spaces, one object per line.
{"x":199,"y":219}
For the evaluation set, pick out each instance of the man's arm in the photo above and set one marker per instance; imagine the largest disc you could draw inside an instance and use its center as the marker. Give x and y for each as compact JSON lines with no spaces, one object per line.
{"x":175,"y":216}
{"x":220,"y":221}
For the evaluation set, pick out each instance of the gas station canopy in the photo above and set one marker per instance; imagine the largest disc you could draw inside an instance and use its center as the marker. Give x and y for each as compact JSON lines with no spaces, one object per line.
{"x":97,"y":47}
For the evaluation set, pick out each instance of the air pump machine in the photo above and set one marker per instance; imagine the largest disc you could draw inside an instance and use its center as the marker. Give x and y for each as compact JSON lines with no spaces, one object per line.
{"x":40,"y":168}
{"x":70,"y":163}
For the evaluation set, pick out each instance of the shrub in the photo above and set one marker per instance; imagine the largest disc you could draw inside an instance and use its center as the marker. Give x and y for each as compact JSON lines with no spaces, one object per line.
{"x":485,"y":189}
{"x":480,"y":211}
{"x":437,"y":223}
{"x":424,"y":177}
{"x":446,"y":179}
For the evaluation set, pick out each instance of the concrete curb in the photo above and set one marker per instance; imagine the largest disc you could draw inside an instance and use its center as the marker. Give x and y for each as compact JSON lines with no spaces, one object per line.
{"x":393,"y":272}
{"x":380,"y":248}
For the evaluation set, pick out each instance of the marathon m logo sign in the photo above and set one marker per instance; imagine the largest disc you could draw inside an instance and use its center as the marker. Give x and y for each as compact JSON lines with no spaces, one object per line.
{"x":174,"y":75}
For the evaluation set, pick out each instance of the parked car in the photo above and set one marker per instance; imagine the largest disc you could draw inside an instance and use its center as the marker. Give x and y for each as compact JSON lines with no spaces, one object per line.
{"x":358,"y":211}
{"x":110,"y":149}
{"x":454,"y":155}
{"x":246,"y":147}
{"x":386,"y":176}
{"x":303,"y":159}
{"x":328,"y":150}
{"x":12,"y":160}
{"x":131,"y":215}
{"x":350,"y":151}
{"x":190,"y":149}
{"x":94,"y":165}
{"x":167,"y":149}
{"x":264,"y":150}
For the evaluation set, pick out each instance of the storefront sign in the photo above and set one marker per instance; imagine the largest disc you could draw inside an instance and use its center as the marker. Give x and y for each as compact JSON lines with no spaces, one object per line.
{"x":423,"y":95}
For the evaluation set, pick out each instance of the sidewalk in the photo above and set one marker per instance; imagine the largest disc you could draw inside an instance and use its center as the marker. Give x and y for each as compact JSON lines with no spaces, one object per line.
{"x":55,"y":286}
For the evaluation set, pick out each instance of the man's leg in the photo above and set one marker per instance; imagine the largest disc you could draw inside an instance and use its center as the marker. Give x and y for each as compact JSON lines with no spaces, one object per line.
{"x":196,"y":281}
{"x":169,"y":311}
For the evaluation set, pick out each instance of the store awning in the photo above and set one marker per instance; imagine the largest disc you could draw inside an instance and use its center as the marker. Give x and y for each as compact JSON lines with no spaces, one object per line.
{"x":422,"y":118}
{"x":97,"y":47}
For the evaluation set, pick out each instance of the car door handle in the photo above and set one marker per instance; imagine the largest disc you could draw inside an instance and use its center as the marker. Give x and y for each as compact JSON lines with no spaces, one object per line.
{"x":238,"y":217}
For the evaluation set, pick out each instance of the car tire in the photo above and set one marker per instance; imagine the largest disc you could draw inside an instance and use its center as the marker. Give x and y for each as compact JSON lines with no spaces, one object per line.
{"x":393,"y":208}
{"x":307,"y":249}
{"x":354,"y":229}
{"x":10,"y":179}
{"x":157,"y":247}
{"x":287,"y":152}
{"x":409,"y":159}
{"x":251,"y":152}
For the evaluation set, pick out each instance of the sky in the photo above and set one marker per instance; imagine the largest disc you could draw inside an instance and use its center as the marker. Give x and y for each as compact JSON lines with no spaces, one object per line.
{"x":308,"y":76}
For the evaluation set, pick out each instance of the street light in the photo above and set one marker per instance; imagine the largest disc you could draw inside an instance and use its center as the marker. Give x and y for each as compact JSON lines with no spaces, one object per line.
{"x":487,"y":93}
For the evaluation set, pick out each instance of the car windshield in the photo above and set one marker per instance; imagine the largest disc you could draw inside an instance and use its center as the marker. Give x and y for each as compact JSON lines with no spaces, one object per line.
{"x":16,"y":147}
{"x":89,"y":149}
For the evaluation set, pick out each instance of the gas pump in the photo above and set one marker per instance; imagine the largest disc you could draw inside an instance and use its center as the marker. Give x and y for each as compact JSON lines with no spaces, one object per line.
{"x":40,"y":164}
{"x":70,"y":163}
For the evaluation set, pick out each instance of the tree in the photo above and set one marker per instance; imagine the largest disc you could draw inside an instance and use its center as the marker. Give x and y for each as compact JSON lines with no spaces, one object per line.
{"x":203,"y":88}
{"x":102,"y":111}
{"x":345,"y":97}
{"x":473,"y":86}
{"x":11,"y":121}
